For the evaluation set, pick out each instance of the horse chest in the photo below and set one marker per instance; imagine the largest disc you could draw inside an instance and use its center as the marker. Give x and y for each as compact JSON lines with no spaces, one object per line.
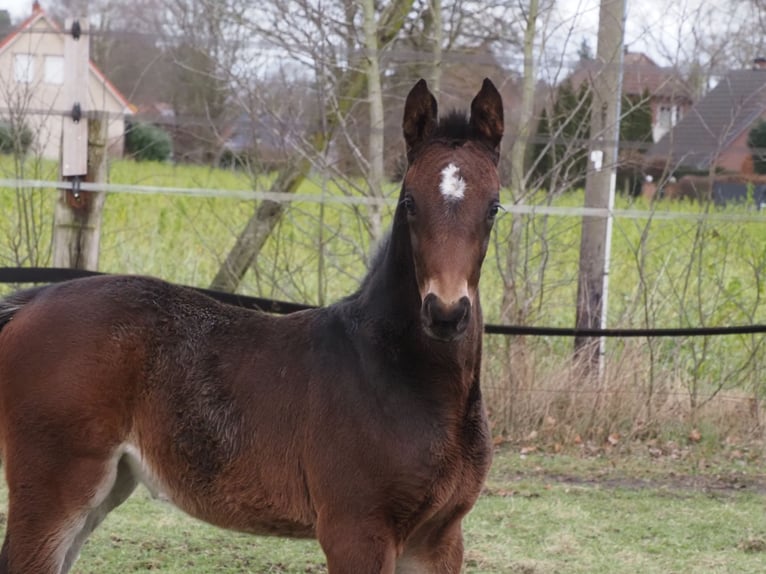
{"x":453,"y":472}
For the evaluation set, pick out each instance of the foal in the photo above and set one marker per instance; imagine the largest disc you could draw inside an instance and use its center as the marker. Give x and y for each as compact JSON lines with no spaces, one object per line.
{"x":360,"y":424}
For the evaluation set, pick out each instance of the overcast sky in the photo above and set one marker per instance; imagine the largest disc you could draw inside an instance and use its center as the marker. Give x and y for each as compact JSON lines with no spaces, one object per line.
{"x":652,"y":26}
{"x":18,"y":8}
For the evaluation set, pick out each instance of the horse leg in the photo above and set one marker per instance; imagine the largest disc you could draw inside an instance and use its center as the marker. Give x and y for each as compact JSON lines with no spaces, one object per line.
{"x":51,"y":513}
{"x":124,"y":485}
{"x":355,"y":549}
{"x":440,"y":555}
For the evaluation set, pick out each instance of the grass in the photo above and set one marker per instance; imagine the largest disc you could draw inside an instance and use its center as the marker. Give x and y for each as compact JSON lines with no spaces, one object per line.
{"x":610,"y":512}
{"x":690,"y":273}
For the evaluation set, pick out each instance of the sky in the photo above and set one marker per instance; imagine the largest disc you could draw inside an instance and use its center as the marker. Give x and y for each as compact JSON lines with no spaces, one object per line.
{"x":652,"y":26}
{"x":18,"y":9}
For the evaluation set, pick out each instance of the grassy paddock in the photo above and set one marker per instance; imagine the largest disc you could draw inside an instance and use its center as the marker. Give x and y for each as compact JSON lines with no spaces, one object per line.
{"x":567,"y":513}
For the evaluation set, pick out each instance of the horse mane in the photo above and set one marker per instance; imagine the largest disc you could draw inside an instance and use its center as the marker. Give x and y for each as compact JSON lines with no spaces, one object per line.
{"x":454,"y":126}
{"x":379,"y":253}
{"x":11,"y":304}
{"x":375,"y":263}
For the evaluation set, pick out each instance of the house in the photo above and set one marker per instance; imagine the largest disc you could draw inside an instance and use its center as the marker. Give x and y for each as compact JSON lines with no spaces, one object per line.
{"x":713,"y":135}
{"x":669,"y":96}
{"x":32,"y":86}
{"x":262,"y":138}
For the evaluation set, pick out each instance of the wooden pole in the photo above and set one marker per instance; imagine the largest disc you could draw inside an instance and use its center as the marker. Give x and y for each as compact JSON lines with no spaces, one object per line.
{"x":600,"y":182}
{"x":77,"y":214}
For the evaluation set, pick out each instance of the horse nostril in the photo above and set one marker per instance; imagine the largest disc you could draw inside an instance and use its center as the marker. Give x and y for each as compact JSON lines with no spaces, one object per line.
{"x":445,"y":322}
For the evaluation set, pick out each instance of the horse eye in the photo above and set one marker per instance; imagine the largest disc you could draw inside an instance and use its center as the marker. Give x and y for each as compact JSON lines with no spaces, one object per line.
{"x":493,"y":209}
{"x":409,"y":204}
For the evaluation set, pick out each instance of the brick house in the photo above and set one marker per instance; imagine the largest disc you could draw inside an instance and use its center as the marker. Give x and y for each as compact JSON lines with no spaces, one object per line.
{"x":669,"y":96}
{"x":713,"y":135}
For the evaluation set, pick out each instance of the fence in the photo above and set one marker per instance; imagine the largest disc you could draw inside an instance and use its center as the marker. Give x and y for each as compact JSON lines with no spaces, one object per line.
{"x":22,"y":275}
{"x":682,"y":277}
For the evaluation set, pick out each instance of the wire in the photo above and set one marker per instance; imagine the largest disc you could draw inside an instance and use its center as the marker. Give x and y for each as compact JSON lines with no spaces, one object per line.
{"x":55,"y":275}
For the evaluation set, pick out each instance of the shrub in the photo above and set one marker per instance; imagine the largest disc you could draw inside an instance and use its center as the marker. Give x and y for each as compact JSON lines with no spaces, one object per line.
{"x":147,"y":142}
{"x":15,"y":138}
{"x":756,"y":140}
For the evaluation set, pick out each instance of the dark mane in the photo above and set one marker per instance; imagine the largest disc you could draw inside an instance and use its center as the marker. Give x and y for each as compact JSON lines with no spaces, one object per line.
{"x":454,"y":126}
{"x":378,"y":255}
{"x":374,"y":266}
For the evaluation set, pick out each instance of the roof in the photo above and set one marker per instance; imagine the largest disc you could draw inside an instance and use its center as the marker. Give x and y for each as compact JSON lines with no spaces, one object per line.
{"x":40,"y":14}
{"x":639,"y":74}
{"x":713,"y":124}
{"x":265,"y":130}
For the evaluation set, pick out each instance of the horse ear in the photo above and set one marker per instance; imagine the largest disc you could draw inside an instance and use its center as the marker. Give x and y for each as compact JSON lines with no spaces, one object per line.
{"x":420,"y":116}
{"x":487,"y":115}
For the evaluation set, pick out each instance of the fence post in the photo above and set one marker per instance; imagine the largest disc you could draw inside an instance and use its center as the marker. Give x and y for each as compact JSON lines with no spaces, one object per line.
{"x":77,"y":214}
{"x":592,"y":284}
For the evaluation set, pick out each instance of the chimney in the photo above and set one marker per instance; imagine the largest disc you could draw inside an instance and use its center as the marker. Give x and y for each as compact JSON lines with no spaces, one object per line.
{"x":759,"y":63}
{"x":36,"y":7}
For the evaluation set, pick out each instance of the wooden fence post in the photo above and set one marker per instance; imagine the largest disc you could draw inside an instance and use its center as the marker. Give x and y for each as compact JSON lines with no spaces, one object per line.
{"x":77,"y":214}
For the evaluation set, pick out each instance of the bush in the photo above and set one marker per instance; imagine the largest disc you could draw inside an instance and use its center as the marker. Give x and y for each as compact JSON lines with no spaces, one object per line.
{"x":756,"y":141}
{"x":15,"y":139}
{"x":147,"y":142}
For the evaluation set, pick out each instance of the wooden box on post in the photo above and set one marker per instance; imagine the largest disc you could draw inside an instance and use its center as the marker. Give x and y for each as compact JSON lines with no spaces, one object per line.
{"x":74,"y":135}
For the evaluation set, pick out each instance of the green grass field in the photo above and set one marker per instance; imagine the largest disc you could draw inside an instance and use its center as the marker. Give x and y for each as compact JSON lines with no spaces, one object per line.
{"x":668,"y":272}
{"x":606,"y":513}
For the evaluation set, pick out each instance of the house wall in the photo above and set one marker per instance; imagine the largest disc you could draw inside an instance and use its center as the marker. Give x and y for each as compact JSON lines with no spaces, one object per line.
{"x":680,"y":109}
{"x":40,"y":102}
{"x":736,"y":157}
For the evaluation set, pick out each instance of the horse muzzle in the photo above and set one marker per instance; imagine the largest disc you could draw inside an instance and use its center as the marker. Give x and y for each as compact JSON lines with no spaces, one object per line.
{"x":445,"y":322}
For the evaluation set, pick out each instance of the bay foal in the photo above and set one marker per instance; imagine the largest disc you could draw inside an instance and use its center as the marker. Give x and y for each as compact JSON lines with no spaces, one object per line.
{"x":360,"y":424}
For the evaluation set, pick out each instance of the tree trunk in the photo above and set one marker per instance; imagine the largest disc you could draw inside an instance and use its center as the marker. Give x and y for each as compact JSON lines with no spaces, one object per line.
{"x":267,"y":215}
{"x":526,"y":106}
{"x":375,"y":101}
{"x":436,"y":38}
{"x":514,"y":298}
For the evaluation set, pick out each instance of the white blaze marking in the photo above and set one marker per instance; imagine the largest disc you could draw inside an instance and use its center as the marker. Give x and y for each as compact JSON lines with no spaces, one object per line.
{"x":452,"y":185}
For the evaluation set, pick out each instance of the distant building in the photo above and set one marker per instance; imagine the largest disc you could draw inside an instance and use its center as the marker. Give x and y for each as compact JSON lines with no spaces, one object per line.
{"x":669,"y":96}
{"x":32,"y":80}
{"x":714,"y":132}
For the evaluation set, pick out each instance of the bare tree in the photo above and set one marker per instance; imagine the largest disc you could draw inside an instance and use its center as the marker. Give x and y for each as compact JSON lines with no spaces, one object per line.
{"x":349,"y":82}
{"x":375,"y":103}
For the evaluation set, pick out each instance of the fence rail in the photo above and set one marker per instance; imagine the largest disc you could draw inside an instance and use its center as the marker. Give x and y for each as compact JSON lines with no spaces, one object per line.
{"x":531,"y":209}
{"x":20,"y":275}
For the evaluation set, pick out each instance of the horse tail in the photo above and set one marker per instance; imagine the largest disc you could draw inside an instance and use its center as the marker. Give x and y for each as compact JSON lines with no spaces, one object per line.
{"x":13,"y":303}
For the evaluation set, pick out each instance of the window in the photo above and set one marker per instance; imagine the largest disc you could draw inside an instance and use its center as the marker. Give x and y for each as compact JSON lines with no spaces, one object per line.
{"x":24,"y":68}
{"x":668,"y":116}
{"x":54,"y":70}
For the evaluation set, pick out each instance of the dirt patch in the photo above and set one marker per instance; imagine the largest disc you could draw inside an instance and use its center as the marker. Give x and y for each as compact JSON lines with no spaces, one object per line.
{"x":698,"y":483}
{"x":722,"y":484}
